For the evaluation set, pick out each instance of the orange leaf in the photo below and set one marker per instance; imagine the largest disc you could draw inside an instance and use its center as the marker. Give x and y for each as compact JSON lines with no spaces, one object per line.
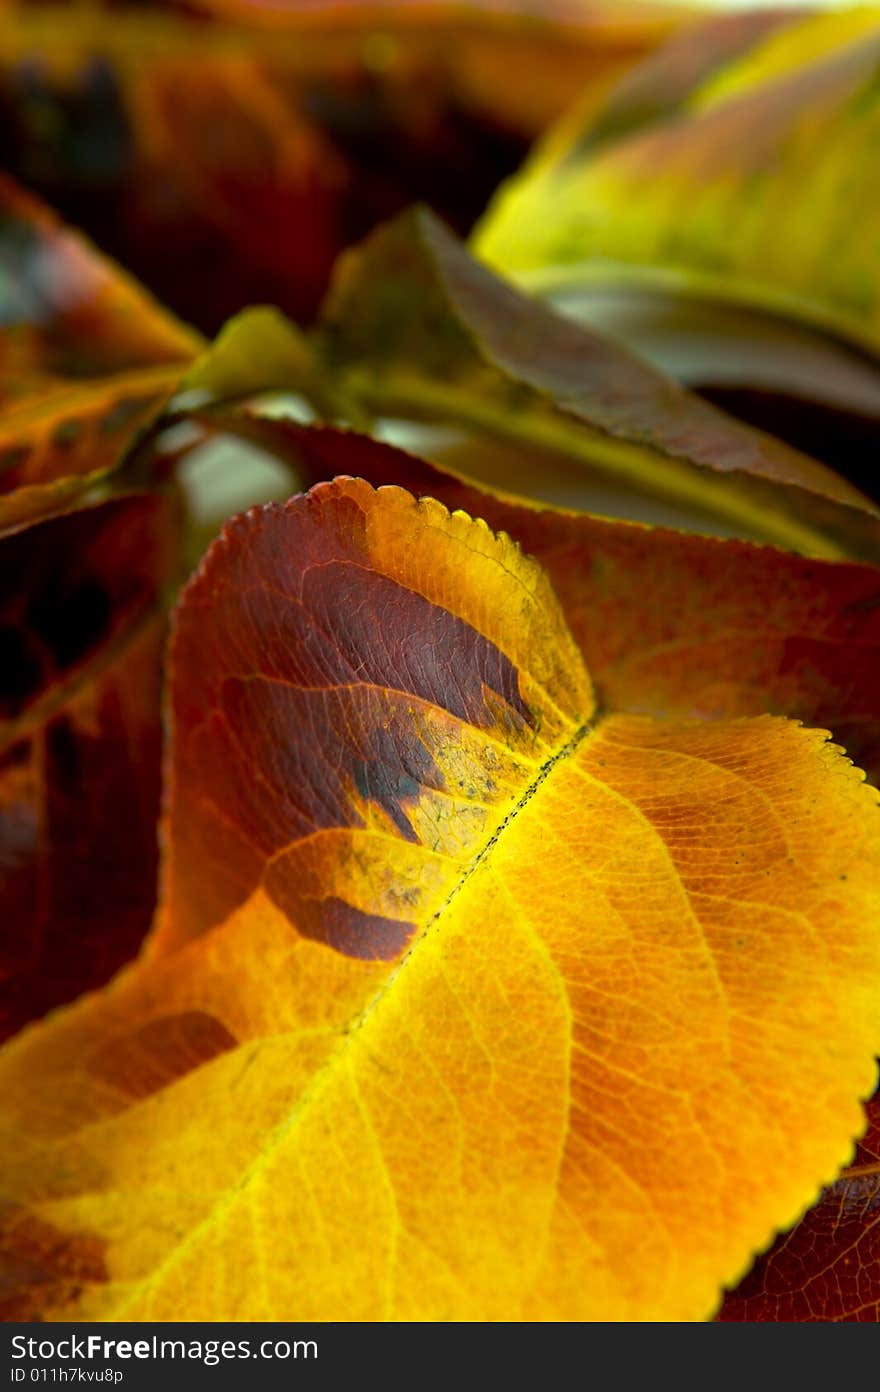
{"x":723,"y":629}
{"x":828,"y":1267}
{"x":81,"y":642}
{"x":741,"y":190}
{"x":66,"y":310}
{"x":465,"y":999}
{"x":660,"y":86}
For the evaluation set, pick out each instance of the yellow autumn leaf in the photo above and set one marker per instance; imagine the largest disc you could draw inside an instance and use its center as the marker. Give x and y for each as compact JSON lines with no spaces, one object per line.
{"x":466,"y":999}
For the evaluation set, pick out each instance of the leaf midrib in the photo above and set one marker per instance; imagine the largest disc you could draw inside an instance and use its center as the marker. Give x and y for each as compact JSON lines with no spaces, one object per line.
{"x":341,"y":1055}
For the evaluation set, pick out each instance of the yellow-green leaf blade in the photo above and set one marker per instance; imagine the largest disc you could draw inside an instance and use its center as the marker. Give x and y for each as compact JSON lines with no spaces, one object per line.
{"x":761,"y":189}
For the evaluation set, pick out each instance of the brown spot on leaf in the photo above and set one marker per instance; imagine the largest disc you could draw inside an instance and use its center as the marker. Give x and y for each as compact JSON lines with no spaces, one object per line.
{"x":155,"y":1055}
{"x":42,"y":1268}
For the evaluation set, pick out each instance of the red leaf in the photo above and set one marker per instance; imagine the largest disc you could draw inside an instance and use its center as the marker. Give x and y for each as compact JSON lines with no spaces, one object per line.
{"x":81,"y":642}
